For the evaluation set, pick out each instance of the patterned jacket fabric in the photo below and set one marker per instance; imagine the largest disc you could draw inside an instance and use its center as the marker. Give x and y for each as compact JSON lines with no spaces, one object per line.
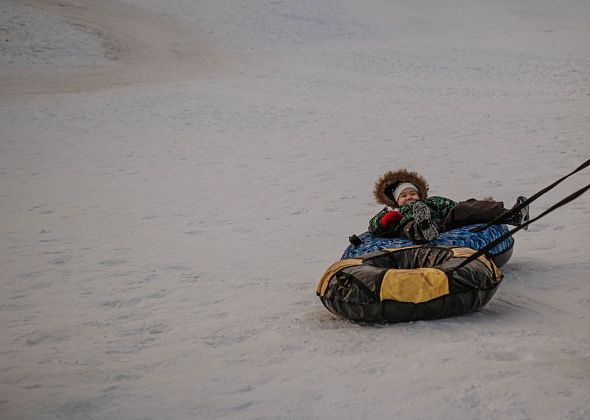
{"x":439,"y":209}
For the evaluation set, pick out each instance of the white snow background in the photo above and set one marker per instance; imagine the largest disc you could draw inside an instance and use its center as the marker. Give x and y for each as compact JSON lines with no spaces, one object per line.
{"x":175,"y":177}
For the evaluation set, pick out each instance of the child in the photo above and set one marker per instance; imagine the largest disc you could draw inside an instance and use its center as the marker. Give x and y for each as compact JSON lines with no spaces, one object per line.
{"x":411,"y":213}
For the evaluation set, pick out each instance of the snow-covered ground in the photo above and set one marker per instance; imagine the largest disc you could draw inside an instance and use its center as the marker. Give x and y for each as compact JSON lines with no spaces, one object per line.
{"x":175,"y":176}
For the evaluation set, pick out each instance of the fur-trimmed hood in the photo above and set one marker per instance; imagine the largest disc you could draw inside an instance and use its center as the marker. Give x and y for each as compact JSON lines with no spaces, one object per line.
{"x":392,"y":178}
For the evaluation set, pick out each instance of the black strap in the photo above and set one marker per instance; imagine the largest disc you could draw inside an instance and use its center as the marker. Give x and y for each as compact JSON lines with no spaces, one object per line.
{"x":491,"y":245}
{"x":506,"y":216}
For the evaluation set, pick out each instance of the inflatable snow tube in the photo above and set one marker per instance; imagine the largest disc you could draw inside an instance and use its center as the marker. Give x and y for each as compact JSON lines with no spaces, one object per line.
{"x":409,"y":284}
{"x":462,"y":237}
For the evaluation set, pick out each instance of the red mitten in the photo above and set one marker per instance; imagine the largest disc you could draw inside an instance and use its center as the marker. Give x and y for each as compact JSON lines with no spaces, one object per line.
{"x":391,"y":218}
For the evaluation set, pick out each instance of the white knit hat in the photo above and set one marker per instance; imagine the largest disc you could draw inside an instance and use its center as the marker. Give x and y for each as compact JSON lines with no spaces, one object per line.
{"x":402,"y":186}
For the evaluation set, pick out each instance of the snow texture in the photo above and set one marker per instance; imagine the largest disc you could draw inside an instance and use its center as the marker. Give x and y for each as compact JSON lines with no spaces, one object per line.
{"x":175,"y":176}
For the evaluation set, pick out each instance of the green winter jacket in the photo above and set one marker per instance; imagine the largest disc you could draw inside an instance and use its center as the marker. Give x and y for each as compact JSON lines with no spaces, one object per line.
{"x":439,"y":208}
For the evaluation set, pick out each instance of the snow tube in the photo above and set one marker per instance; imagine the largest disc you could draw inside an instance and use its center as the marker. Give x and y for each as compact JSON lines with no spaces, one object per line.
{"x":408,"y":284}
{"x":462,"y":237}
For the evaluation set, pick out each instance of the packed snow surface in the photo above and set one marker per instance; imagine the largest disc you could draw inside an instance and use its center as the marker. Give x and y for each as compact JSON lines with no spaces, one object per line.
{"x":175,"y":177}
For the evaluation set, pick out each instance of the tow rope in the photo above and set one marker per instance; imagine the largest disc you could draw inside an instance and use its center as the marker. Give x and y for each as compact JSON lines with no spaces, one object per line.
{"x":506,"y":216}
{"x":557,"y":205}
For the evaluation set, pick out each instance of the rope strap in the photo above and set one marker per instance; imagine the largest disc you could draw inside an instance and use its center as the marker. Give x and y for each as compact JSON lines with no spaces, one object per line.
{"x":506,"y":216}
{"x":491,"y":245}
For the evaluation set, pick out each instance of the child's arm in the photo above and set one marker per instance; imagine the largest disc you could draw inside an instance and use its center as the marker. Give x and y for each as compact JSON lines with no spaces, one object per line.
{"x":441,"y":206}
{"x":386,"y":223}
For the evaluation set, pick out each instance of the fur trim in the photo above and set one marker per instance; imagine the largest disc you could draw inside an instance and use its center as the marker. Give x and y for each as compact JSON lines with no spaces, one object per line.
{"x":392,"y":178}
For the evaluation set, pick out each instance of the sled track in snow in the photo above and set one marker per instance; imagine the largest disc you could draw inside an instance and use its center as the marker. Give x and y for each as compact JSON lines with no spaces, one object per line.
{"x":138,"y":47}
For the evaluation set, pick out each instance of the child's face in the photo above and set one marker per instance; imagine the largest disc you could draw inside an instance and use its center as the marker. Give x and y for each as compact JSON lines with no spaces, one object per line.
{"x":407,"y":196}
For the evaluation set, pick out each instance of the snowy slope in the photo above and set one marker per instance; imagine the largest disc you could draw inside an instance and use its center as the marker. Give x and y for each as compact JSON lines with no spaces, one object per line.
{"x":173,"y":187}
